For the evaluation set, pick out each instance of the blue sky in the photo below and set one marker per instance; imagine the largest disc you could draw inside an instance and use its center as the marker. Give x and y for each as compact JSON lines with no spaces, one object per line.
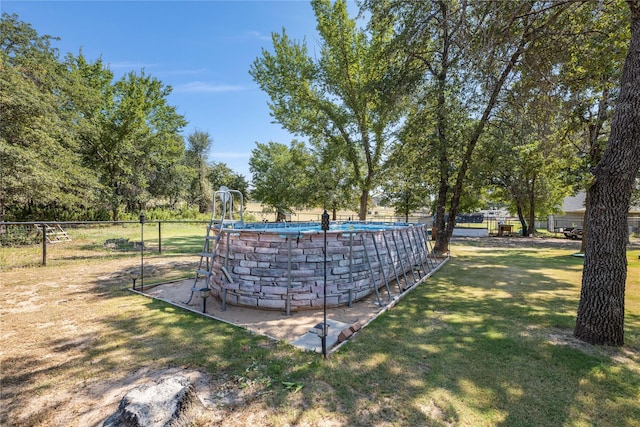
{"x":203,"y":49}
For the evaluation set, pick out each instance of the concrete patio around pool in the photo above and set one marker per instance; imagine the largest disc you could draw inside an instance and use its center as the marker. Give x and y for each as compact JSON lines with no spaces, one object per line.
{"x":296,"y":328}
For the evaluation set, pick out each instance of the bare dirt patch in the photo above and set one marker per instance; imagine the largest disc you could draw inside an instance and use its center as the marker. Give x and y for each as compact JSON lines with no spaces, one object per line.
{"x":51,"y":318}
{"x":54,"y":316}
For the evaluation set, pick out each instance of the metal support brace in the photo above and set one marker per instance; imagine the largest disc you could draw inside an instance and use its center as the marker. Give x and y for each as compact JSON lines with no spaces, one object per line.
{"x":404,"y":270}
{"x":425,"y":237}
{"x":408,"y":255}
{"x":431,"y":251}
{"x":393,"y":263}
{"x":423,"y":244}
{"x":418,"y":252}
{"x":350,"y":268}
{"x":415,"y":259}
{"x":423,"y":248}
{"x":375,"y":286}
{"x":419,"y":248}
{"x":382,"y":269}
{"x":288,"y":303}
{"x":350,"y":257}
{"x":433,"y":264}
{"x":226,"y":261}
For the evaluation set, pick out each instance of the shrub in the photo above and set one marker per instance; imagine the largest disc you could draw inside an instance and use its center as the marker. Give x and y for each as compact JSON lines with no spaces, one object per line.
{"x":22,"y":235}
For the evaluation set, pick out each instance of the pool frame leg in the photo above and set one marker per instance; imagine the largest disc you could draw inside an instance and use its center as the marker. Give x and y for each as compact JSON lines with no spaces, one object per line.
{"x":375,"y":286}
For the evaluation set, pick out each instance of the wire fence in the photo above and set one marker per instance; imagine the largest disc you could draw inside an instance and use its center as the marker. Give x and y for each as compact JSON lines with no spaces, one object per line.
{"x":24,"y":244}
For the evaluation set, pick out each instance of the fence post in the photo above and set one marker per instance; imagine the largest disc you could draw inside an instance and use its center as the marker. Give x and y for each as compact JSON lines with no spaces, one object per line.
{"x":44,"y":244}
{"x":159,"y":237}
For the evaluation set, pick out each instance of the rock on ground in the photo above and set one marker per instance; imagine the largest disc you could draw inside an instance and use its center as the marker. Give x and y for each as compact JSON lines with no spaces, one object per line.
{"x":170,"y":401}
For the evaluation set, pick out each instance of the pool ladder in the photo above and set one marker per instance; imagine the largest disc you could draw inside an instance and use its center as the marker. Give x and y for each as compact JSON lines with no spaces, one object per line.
{"x":212,"y":238}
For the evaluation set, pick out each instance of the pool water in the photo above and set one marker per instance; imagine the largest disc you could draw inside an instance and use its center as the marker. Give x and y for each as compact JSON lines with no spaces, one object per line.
{"x":280,"y":227}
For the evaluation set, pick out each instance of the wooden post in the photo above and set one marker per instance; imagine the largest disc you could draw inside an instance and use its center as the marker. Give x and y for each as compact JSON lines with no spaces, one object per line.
{"x":44,"y":244}
{"x":159,"y":236}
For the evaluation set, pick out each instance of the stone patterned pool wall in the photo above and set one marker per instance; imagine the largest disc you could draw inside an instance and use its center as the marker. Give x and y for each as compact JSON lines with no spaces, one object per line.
{"x":285,"y":270}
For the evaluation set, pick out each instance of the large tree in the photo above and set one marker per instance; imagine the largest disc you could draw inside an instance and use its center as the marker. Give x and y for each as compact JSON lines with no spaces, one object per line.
{"x":281,"y":176}
{"x":472,"y":51}
{"x":342,"y":97}
{"x":589,"y":78}
{"x":196,"y":157}
{"x":41,"y":168}
{"x":600,"y":317}
{"x":138,"y":135}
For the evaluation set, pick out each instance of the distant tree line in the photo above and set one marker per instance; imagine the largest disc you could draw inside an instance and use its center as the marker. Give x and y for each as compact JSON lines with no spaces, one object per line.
{"x":75,"y":144}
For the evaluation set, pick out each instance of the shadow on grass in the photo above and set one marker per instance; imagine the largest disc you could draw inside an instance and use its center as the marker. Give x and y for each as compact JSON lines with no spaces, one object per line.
{"x":134,"y":335}
{"x":477,"y":344}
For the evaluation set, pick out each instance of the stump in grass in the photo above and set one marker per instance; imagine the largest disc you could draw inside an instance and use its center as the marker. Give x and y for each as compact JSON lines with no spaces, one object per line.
{"x":170,"y":401}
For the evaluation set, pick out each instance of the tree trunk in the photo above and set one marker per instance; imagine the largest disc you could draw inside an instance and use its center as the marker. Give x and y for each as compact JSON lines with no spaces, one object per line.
{"x":595,"y":153}
{"x":442,"y":241}
{"x":364,"y":201}
{"x":600,"y":317}
{"x":523,"y":221}
{"x":442,"y":237}
{"x":532,"y":209}
{"x":583,"y":242}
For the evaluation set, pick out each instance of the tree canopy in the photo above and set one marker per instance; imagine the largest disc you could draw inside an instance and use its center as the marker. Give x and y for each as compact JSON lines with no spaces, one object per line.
{"x":77,"y":144}
{"x":341,"y":96}
{"x":41,"y":164}
{"x":281,"y":176}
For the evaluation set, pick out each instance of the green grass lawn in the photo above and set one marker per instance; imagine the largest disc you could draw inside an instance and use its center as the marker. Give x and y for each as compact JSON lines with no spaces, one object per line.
{"x":89,"y":243}
{"x":487,"y":341}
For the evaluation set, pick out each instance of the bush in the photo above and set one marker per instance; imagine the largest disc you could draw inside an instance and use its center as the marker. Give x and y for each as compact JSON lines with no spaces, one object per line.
{"x":23,"y":235}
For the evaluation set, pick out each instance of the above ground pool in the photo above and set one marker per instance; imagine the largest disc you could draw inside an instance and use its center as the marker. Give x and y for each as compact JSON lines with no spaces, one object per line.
{"x":281,"y":266}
